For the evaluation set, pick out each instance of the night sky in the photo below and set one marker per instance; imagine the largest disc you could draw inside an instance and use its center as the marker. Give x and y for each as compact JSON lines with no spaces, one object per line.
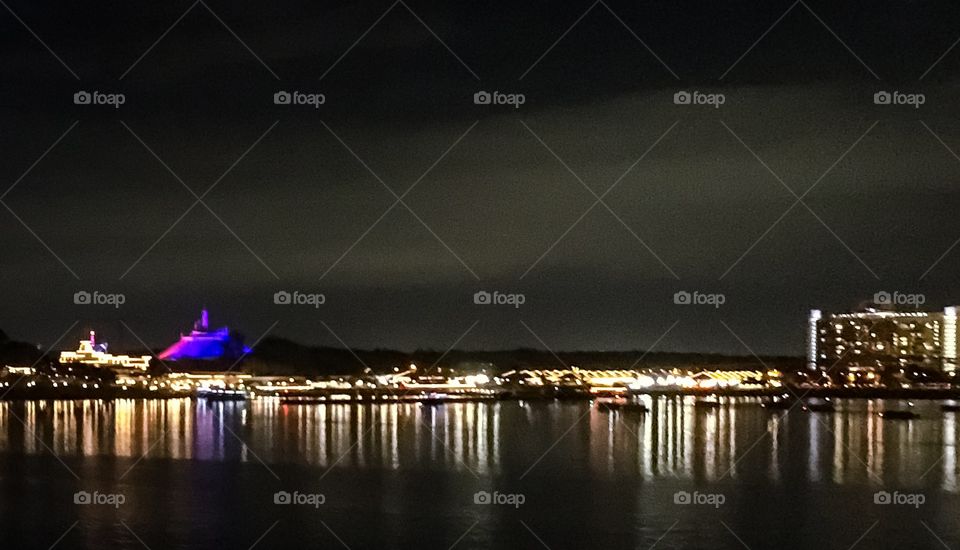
{"x":296,"y":198}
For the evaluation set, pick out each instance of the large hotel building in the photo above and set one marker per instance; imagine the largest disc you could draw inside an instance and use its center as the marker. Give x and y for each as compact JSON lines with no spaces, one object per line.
{"x":883,"y":338}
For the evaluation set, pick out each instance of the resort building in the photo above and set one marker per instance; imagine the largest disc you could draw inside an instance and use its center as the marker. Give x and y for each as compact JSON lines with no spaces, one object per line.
{"x":204,"y":344}
{"x":879,"y":339}
{"x":96,"y":355}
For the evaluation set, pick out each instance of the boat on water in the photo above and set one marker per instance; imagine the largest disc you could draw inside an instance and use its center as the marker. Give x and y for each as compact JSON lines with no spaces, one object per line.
{"x":824,"y":406}
{"x":571,"y":392}
{"x":898,"y":415}
{"x":779,"y":403}
{"x":213,"y":394}
{"x":706,"y":403}
{"x":621,"y":405}
{"x":950,"y":407}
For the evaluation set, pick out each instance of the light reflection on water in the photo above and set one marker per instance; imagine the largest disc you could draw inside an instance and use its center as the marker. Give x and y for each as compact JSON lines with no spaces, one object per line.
{"x":674,"y":440}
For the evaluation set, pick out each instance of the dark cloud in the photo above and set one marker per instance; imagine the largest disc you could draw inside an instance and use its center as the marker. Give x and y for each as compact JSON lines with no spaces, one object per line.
{"x":290,"y":213}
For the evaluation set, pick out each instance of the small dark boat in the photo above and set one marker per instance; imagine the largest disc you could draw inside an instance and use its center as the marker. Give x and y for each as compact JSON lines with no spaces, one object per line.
{"x":950,"y":407}
{"x":898,"y":415}
{"x":779,"y":404}
{"x":820,"y":407}
{"x":622,"y":406}
{"x":222,"y":395}
{"x":706,"y":404}
{"x":571,"y":392}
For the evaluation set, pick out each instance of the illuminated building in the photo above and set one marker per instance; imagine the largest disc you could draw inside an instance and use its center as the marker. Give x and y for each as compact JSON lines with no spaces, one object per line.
{"x":94,"y":354}
{"x":881,"y":338}
{"x":203,"y":344}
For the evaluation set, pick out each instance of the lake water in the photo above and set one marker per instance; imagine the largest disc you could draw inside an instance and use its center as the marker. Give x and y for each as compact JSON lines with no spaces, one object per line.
{"x":184,"y":474}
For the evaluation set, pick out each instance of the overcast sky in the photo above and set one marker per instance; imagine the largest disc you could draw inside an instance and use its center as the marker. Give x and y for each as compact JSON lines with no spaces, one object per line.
{"x":703,"y":199}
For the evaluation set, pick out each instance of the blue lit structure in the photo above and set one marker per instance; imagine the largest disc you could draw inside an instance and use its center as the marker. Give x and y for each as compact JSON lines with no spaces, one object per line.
{"x":203,"y":344}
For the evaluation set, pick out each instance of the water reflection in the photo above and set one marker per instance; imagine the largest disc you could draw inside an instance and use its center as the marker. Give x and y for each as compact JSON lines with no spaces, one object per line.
{"x":674,"y":439}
